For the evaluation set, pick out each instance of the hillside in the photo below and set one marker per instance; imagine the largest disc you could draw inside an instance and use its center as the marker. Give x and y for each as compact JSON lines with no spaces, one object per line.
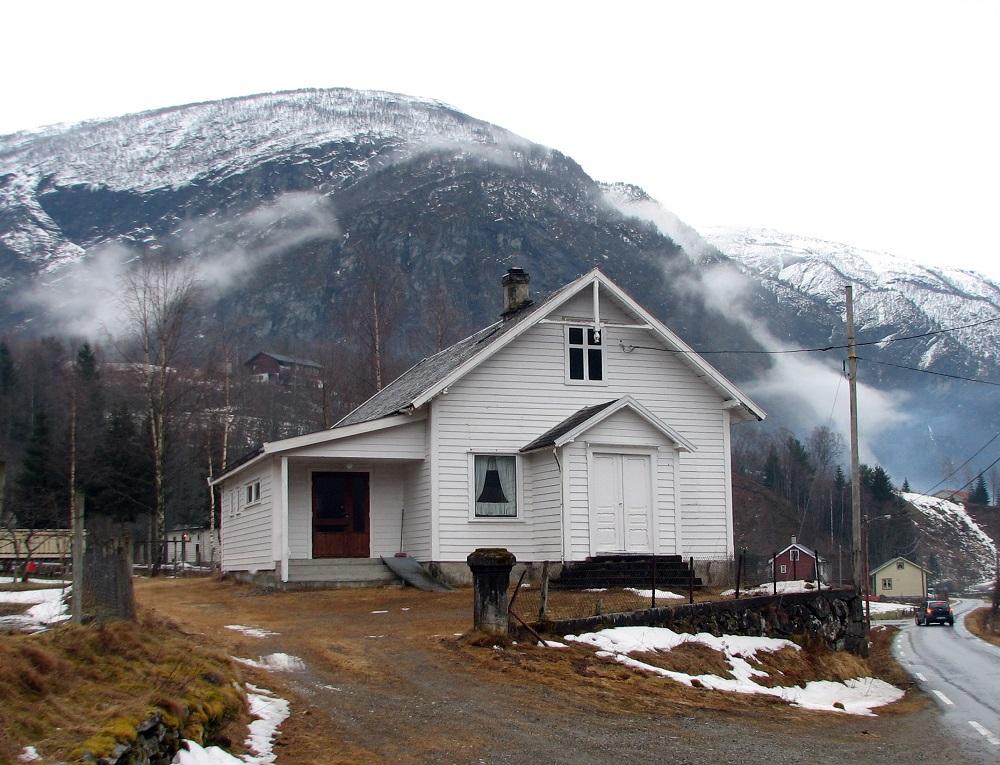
{"x":963,"y":542}
{"x":301,"y":210}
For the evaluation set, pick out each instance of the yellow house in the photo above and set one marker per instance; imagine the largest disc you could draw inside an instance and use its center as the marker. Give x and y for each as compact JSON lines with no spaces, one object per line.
{"x":899,"y":578}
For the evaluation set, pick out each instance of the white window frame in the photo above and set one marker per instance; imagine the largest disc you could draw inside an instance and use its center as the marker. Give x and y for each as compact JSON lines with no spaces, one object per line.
{"x":234,"y":501}
{"x":782,"y":568}
{"x":887,"y":583}
{"x":900,"y":566}
{"x":251,"y":493}
{"x":586,"y":348}
{"x":519,"y":516}
{"x":793,"y":555}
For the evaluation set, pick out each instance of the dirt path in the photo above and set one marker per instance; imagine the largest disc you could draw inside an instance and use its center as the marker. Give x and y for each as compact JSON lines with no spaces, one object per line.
{"x":387,"y":681}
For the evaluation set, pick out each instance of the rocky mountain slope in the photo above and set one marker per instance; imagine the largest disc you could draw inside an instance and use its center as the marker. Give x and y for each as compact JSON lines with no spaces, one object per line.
{"x":297,"y":208}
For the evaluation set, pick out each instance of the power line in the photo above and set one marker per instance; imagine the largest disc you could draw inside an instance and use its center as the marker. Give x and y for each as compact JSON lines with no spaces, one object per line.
{"x":929,"y":372}
{"x":976,"y":477}
{"x":818,"y":349}
{"x":978,"y":452}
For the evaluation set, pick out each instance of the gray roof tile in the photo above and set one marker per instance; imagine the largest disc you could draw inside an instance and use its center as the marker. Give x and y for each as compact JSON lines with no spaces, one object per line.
{"x":549,"y":437}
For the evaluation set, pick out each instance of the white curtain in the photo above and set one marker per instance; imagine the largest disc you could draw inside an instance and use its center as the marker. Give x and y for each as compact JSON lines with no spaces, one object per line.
{"x":505,"y":467}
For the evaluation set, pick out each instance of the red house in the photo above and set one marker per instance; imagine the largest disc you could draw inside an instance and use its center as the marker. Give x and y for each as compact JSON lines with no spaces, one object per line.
{"x":795,"y":563}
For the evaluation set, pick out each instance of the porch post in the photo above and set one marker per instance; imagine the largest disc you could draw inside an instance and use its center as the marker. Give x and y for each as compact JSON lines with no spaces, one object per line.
{"x":283,"y":499}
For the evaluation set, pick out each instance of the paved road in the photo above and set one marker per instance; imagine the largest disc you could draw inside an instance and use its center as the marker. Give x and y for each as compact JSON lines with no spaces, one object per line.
{"x":960,"y":672}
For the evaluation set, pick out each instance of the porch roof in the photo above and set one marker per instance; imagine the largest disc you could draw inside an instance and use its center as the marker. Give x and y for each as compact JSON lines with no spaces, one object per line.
{"x":583,"y":420}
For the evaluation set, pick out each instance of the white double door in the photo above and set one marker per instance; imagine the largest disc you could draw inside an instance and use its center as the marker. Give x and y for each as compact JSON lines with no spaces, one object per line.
{"x":621,"y":502}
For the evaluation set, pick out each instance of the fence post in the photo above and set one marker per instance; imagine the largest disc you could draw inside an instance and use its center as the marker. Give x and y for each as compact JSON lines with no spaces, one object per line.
{"x":774,"y":572}
{"x":691,"y":579}
{"x":543,"y":603}
{"x":652,"y":589}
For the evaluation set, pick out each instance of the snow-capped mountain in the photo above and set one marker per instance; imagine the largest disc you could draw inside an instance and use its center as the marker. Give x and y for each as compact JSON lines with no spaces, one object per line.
{"x":965,"y":551}
{"x":292,"y":205}
{"x":893,"y":296}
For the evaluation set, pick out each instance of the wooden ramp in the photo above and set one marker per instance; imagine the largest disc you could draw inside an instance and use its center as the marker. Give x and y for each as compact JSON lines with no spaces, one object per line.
{"x":413,"y":573}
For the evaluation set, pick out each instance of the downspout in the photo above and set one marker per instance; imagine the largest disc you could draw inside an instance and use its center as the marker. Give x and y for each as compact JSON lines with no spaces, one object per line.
{"x":562,"y":504}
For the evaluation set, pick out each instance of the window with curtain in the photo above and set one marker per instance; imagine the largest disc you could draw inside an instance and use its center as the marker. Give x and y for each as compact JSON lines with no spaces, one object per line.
{"x":495,"y":485}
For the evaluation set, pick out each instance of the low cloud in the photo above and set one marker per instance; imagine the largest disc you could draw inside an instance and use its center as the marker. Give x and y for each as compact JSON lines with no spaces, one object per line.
{"x":807,"y":389}
{"x":84,"y":297}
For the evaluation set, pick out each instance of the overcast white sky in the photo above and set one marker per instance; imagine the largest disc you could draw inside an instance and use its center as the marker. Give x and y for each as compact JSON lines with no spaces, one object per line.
{"x":872,"y":123}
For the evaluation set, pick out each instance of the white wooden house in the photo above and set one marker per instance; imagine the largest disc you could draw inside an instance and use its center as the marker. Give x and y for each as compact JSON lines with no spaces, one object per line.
{"x":575,"y":426}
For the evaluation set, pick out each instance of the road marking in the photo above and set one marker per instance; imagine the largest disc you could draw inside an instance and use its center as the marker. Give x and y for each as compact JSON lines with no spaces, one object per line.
{"x":985,"y":733}
{"x":944,"y":698}
{"x":920,"y":677}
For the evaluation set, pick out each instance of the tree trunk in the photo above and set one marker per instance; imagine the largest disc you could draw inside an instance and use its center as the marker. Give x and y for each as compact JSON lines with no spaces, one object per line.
{"x":107,"y":593}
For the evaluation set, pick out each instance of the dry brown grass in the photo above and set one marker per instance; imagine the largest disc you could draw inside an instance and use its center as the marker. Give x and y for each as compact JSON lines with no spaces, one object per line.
{"x":983,"y":624}
{"x":78,"y":689}
{"x":689,"y":658}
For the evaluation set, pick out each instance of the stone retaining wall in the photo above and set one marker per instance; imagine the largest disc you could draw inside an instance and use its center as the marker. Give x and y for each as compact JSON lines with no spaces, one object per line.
{"x":833,"y":616}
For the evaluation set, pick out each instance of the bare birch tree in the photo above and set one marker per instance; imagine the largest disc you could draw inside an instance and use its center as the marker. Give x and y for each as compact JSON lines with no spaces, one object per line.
{"x":158,"y":295}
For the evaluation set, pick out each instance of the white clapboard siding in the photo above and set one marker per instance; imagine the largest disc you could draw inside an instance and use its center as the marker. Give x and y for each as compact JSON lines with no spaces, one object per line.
{"x":521,"y":392}
{"x":401,"y":442}
{"x":417,"y":502}
{"x":385,"y":481}
{"x":546,"y":504}
{"x":247,"y":530}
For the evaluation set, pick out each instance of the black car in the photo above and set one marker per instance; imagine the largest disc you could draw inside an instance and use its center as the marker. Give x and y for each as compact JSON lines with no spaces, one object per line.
{"x":935,"y":612}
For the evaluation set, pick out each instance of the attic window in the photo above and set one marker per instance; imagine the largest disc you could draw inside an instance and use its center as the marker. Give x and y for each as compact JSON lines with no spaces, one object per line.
{"x":252,"y":491}
{"x":584,"y":355}
{"x":794,"y":554}
{"x":900,"y":565}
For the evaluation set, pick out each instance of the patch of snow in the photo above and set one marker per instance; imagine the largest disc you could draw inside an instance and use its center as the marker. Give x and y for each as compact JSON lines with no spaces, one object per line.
{"x":254,"y":632}
{"x":596,"y":589}
{"x":882,"y":607}
{"x":380,"y":612}
{"x":768,"y":588}
{"x":47,"y":607}
{"x":270,"y":711}
{"x":274,"y":662}
{"x":29,"y":754}
{"x":551,"y":644}
{"x":945,"y":513}
{"x":660,"y":594}
{"x":858,"y":696}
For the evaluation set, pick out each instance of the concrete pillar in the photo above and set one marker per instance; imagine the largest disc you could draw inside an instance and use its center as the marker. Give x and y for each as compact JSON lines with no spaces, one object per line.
{"x":491,"y":567}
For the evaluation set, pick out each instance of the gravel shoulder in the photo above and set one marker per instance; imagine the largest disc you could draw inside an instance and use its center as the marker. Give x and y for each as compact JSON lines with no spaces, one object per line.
{"x":387,"y":680}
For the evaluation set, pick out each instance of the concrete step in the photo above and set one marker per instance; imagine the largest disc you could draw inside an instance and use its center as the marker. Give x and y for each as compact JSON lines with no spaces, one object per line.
{"x":341,"y":570}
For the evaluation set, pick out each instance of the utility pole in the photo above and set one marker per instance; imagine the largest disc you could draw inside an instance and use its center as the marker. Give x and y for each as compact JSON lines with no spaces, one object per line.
{"x":857,"y":560}
{"x":78,"y":550}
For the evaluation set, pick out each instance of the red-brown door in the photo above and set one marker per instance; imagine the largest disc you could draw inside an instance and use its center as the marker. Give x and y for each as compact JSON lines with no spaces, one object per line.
{"x":340,"y":527}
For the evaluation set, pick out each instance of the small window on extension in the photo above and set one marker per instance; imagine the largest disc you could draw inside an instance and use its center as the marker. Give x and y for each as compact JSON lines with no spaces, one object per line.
{"x":586,"y":355}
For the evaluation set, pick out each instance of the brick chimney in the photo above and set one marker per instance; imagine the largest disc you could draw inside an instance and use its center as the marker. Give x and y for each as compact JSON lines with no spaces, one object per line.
{"x":515,"y":291}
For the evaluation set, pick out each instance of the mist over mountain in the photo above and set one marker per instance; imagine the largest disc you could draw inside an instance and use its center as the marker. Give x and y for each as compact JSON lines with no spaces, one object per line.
{"x":293,"y":206}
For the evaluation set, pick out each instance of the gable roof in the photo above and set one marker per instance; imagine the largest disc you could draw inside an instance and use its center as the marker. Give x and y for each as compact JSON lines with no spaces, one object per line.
{"x":583,"y":420}
{"x":282,"y":359}
{"x":893,"y":560}
{"x":811,"y":553}
{"x":428,"y":377}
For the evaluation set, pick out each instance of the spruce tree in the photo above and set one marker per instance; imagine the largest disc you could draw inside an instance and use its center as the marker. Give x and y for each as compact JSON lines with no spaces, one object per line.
{"x":979,"y":495}
{"x":905,"y":488}
{"x":8,"y":374}
{"x":39,"y":488}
